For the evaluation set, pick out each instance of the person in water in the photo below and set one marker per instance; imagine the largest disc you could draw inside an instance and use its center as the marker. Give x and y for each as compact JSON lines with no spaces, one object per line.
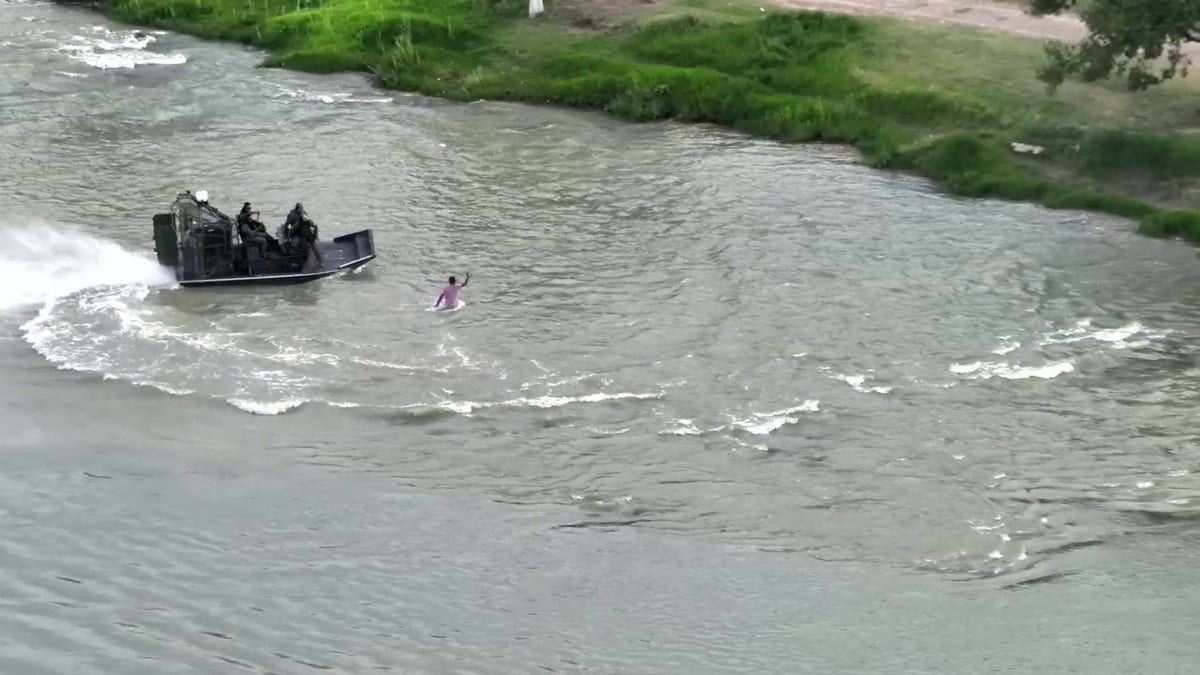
{"x":253,"y":231}
{"x":450,"y":293}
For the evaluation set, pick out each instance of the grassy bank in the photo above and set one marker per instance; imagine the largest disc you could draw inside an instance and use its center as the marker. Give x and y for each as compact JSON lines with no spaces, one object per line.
{"x":944,"y":103}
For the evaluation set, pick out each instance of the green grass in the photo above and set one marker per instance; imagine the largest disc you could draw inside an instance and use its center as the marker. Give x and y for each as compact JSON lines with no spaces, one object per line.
{"x":997,"y":68}
{"x":943,"y":103}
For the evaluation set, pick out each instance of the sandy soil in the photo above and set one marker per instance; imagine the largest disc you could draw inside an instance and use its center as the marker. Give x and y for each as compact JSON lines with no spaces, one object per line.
{"x":1006,"y":17}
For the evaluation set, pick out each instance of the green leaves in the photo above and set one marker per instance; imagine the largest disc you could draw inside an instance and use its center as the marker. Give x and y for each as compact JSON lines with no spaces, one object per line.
{"x":1142,"y":40}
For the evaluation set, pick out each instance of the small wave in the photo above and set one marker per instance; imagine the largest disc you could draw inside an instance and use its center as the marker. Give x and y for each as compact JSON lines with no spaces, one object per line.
{"x":562,"y":380}
{"x":986,"y":371}
{"x":766,"y":426}
{"x":1117,"y":338}
{"x":423,"y":411}
{"x":42,"y":263}
{"x":757,"y":447}
{"x":338,"y":97}
{"x":856,"y":382}
{"x":687,"y":427}
{"x":266,"y":407}
{"x":467,"y":408}
{"x":1007,"y":345}
{"x":290,"y":354}
{"x":761,"y":424}
{"x":396,"y":366}
{"x":607,"y":432}
{"x":464,"y":360}
{"x":541,"y":402}
{"x":134,"y":40}
{"x":114,"y":333}
{"x":758,"y":424}
{"x":448,"y":310}
{"x":130,"y":60}
{"x":118,"y":50}
{"x":559,"y":401}
{"x":167,"y":389}
{"x":684,"y":427}
{"x":460,"y":407}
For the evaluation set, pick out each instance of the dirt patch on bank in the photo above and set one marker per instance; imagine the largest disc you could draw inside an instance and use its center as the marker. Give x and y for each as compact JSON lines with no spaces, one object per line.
{"x":594,"y":15}
{"x":998,"y":16}
{"x":1008,"y":16}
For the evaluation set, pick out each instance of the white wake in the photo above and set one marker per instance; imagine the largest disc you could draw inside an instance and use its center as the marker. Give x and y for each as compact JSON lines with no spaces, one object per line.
{"x":42,"y":263}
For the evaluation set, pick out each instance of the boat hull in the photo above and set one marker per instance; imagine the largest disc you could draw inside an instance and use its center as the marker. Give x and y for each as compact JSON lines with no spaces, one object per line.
{"x":343,"y":253}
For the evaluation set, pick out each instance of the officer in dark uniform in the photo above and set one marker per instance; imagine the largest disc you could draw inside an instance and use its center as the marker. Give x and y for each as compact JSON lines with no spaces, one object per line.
{"x":253,"y":231}
{"x":301,"y":229}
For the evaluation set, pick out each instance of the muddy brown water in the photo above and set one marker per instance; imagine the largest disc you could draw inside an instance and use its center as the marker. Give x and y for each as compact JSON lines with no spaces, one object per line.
{"x":712,"y":405}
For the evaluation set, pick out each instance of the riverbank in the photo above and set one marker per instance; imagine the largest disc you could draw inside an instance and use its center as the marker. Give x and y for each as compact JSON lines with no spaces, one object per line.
{"x":951,"y":104}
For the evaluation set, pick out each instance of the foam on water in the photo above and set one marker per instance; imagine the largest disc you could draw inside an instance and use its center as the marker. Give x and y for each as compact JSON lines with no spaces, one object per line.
{"x":1007,"y":346}
{"x":559,"y":401}
{"x":447,"y":310}
{"x":757,"y":424}
{"x":1117,"y":338}
{"x":1082,"y":337}
{"x":856,"y":383}
{"x":683,"y":427}
{"x":92,"y":317}
{"x":41,"y":263}
{"x":687,"y":427}
{"x":304,"y":96}
{"x":987,"y":370}
{"x":266,"y":407}
{"x":540,"y":402}
{"x":762,"y":424}
{"x":107,"y":49}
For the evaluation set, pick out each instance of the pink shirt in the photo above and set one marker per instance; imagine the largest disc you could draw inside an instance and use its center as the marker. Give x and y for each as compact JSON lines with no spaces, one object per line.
{"x":450,"y":295}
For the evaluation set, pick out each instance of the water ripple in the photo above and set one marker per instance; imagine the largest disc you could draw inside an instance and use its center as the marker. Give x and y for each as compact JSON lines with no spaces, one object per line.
{"x":668,"y":326}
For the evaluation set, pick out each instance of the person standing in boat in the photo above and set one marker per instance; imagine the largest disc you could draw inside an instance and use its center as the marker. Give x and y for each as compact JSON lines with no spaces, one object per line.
{"x":450,"y":293}
{"x":298,"y":224}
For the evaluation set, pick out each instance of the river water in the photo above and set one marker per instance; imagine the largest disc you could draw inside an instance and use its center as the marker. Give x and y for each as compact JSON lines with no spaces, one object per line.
{"x":712,"y":405}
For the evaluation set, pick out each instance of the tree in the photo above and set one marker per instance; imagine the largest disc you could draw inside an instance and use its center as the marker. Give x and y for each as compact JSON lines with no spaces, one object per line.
{"x":1141,"y":39}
